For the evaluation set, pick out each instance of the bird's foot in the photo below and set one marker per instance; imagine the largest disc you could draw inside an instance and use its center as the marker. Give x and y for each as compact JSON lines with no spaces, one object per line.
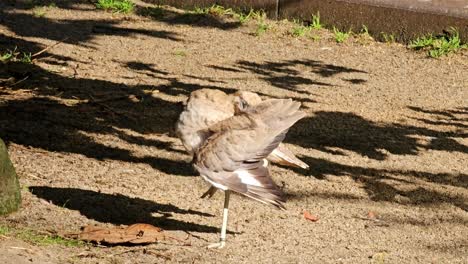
{"x":218,"y":245}
{"x":210,"y":192}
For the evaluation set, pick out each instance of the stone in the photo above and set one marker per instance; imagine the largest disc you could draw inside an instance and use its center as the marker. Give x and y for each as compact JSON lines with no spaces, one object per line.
{"x":10,"y":193}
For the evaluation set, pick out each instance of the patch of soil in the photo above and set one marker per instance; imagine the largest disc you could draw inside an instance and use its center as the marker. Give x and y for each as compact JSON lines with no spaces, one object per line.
{"x":90,"y":131}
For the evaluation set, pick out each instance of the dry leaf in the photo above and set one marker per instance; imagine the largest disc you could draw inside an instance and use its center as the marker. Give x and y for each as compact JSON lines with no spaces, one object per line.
{"x":371,"y":215}
{"x":310,"y":217}
{"x":134,"y":234}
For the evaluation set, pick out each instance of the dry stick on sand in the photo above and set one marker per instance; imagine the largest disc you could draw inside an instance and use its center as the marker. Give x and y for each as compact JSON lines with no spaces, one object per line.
{"x":48,"y":48}
{"x":110,"y":109}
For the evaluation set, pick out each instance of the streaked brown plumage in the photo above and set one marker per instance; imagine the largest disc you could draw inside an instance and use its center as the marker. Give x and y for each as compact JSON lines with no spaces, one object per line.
{"x":231,"y":139}
{"x":233,"y":151}
{"x":206,"y":107}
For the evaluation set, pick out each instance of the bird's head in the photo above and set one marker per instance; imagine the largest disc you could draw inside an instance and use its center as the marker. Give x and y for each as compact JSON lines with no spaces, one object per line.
{"x":244,"y":99}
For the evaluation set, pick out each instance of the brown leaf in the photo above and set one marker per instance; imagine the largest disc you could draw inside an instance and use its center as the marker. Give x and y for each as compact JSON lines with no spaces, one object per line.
{"x":310,"y":217}
{"x":134,"y":234}
{"x":371,"y":215}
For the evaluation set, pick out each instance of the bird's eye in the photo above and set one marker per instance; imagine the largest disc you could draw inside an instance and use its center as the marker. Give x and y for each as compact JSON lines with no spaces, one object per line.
{"x":242,"y":104}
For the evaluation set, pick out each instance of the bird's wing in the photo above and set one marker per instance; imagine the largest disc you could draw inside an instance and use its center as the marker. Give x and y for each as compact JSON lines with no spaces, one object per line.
{"x":233,"y":154}
{"x":284,"y":156}
{"x":204,"y":108}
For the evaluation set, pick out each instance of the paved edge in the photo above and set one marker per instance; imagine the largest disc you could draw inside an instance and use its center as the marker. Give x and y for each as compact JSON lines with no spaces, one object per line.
{"x":404,"y":21}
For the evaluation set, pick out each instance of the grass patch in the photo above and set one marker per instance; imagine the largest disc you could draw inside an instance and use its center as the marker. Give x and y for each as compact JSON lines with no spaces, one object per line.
{"x":180,"y":53}
{"x":262,"y":28}
{"x":440,"y":45}
{"x":4,"y":230}
{"x":44,"y":239}
{"x":340,"y":36}
{"x":39,"y":11}
{"x":155,"y":12}
{"x":314,"y":37}
{"x":16,"y":56}
{"x":388,"y":38}
{"x":217,"y":10}
{"x":117,"y":6}
{"x":364,"y":37}
{"x":365,"y":31}
{"x":299,"y":30}
{"x":36,"y":238}
{"x":315,"y":22}
{"x":252,"y":14}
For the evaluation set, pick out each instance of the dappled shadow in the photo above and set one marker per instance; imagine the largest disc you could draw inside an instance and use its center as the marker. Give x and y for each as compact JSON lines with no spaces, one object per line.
{"x":79,"y":31}
{"x":94,"y":106}
{"x":286,"y":74}
{"x":347,"y":131}
{"x":457,"y":117}
{"x":119,"y":209}
{"x":380,"y":183}
{"x":187,"y":17}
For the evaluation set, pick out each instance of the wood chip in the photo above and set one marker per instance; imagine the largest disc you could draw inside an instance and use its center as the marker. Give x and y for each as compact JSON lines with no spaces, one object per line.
{"x":310,"y":217}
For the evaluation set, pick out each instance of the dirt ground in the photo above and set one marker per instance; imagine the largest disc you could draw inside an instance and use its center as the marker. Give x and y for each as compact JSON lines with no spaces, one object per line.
{"x":89,"y":127}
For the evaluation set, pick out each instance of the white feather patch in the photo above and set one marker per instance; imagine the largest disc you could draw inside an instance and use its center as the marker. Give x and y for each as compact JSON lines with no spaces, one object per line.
{"x":247,"y":178}
{"x":215,"y":184}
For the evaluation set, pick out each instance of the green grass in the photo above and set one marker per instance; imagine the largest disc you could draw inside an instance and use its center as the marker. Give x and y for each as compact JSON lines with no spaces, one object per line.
{"x":36,"y":238}
{"x":340,"y":36}
{"x":315,"y":22}
{"x":388,"y":38}
{"x":440,"y":45}
{"x":364,"y":37}
{"x":16,"y":56}
{"x":117,"y":6}
{"x":4,"y":230}
{"x":7,"y":56}
{"x":252,"y":14}
{"x":154,"y":12}
{"x":365,"y":31}
{"x":244,"y":18}
{"x":215,"y":10}
{"x":262,"y":28}
{"x":180,"y":53}
{"x":39,"y":11}
{"x":44,"y":240}
{"x":314,"y":37}
{"x":26,"y":58}
{"x":299,"y":30}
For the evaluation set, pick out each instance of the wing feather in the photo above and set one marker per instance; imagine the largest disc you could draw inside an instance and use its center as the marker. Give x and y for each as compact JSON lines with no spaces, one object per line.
{"x":234,"y":150}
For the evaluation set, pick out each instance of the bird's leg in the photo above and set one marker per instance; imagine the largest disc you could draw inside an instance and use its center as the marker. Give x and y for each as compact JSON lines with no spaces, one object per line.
{"x":222,"y":240}
{"x":211,"y":191}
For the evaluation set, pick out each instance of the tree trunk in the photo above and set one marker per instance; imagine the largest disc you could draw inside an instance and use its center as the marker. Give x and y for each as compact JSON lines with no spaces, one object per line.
{"x":10,"y":195}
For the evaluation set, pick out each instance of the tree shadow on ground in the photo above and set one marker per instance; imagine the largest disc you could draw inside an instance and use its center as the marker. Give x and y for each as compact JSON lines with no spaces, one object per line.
{"x":80,"y":31}
{"x":380,"y":183}
{"x":119,"y":209}
{"x":58,"y":124}
{"x":326,"y":131}
{"x":292,"y":75}
{"x":187,"y":17}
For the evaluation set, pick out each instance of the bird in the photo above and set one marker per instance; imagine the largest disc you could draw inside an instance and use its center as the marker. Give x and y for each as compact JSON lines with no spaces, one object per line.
{"x":232,"y":154}
{"x":206,"y":107}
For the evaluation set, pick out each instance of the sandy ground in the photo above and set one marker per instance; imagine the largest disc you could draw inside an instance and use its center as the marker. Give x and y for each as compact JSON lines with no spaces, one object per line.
{"x":90,"y":131}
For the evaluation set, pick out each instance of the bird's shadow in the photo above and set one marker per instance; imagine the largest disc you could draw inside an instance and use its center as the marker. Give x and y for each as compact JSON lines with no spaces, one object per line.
{"x":119,"y":209}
